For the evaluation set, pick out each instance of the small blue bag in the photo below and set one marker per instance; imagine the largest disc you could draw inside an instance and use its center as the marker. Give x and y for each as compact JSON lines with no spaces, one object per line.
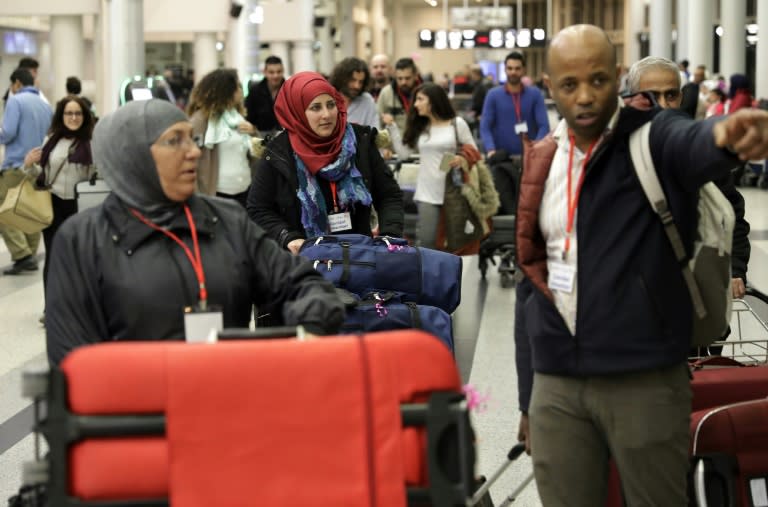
{"x":384,"y":311}
{"x":362,"y":264}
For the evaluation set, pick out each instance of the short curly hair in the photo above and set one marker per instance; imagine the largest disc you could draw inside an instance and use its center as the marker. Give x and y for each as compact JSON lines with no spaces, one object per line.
{"x":215,"y":93}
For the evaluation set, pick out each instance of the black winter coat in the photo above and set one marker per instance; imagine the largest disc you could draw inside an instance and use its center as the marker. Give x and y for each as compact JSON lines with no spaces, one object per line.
{"x":273,"y":204}
{"x":260,"y":107}
{"x":115,"y":278}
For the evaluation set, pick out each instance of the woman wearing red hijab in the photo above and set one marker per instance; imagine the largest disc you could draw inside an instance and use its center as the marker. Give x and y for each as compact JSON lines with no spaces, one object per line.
{"x":321,"y":175}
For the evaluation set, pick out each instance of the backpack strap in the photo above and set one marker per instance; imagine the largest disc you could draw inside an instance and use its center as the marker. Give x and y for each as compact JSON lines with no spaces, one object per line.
{"x":640,"y":151}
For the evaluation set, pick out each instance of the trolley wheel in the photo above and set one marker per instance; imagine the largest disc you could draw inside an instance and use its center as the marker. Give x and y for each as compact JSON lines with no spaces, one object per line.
{"x":507,"y":280}
{"x":34,"y":384}
{"x":35,"y":472}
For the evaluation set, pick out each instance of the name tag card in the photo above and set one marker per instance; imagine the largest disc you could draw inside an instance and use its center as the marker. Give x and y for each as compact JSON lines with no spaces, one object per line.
{"x":340,"y":221}
{"x":199,"y":325}
{"x":521,"y":128}
{"x":561,"y":277}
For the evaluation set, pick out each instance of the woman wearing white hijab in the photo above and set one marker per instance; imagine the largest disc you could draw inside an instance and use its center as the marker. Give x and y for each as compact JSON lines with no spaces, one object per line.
{"x":126,"y":270}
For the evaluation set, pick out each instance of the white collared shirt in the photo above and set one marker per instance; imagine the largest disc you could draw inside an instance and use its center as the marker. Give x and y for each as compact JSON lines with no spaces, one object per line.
{"x":553,"y":213}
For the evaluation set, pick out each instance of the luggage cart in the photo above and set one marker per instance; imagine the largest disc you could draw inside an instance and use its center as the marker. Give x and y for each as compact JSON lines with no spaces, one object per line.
{"x":748,"y":342}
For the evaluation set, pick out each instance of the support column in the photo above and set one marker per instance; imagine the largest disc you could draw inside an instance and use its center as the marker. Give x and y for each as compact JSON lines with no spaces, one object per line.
{"x":661,"y":28}
{"x":206,"y":58}
{"x":733,"y":18}
{"x":347,"y":29}
{"x":235,"y":56}
{"x":325,"y":60}
{"x":761,"y":61}
{"x":67,"y":52}
{"x":683,"y":27}
{"x":303,"y":58}
{"x":252,"y":41}
{"x":634,"y":21}
{"x":282,"y":50}
{"x":397,"y":21}
{"x":124,"y":36}
{"x":701,"y":18}
{"x":377,"y":27}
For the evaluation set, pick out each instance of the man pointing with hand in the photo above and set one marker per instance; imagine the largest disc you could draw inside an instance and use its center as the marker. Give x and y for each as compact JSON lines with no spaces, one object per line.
{"x":610,"y":316}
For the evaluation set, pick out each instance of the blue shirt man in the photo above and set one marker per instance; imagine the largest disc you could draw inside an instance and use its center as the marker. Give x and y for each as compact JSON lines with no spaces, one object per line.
{"x":511,"y":110}
{"x":25,"y":123}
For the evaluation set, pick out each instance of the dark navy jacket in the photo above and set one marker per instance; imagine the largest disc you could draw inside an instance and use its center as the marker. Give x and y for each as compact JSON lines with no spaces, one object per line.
{"x":634,"y":312}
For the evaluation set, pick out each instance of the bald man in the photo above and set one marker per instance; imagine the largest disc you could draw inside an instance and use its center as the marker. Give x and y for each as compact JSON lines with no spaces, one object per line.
{"x":381,"y":74}
{"x":609,"y":316}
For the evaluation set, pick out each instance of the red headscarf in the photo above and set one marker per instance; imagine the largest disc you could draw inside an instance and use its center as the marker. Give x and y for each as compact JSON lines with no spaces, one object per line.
{"x":292,"y":100}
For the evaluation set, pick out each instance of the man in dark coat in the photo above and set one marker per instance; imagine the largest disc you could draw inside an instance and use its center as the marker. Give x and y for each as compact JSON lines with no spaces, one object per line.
{"x":260,"y":101}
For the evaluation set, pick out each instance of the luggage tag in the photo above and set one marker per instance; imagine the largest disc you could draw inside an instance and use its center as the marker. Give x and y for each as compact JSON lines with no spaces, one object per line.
{"x":561,"y":277}
{"x":340,"y":221}
{"x":201,"y":325}
{"x":521,"y":128}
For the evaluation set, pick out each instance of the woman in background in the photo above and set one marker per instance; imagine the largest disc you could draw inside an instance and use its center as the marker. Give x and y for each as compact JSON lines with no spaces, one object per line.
{"x":63,"y":161}
{"x":216,"y":111}
{"x":434,"y":129}
{"x":739,"y":95}
{"x":321,"y":174}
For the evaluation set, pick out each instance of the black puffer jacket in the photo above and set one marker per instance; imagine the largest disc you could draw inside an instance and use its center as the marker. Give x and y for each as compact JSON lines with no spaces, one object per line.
{"x":115,"y":278}
{"x":273,"y":204}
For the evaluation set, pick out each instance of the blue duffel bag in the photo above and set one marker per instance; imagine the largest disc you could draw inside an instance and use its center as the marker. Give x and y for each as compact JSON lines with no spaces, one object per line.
{"x":384,"y":311}
{"x":362,"y":264}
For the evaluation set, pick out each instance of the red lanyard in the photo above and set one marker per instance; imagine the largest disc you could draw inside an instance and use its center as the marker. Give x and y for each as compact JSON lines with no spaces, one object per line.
{"x":196,"y":260}
{"x":333,"y":195}
{"x":404,"y":101}
{"x":573,"y":201}
{"x":517,"y":100}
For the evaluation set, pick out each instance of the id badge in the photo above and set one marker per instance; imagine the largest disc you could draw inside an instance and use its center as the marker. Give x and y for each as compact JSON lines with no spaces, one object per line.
{"x":340,"y":221}
{"x":521,"y":128}
{"x":561,"y":277}
{"x":202,"y":326}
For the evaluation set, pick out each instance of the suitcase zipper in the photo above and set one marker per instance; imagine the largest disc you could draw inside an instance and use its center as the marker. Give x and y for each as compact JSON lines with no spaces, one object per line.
{"x":330,"y":262}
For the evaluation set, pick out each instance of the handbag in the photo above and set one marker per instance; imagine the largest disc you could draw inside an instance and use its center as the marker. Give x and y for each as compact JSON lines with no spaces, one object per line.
{"x":27,"y":209}
{"x":460,"y":230}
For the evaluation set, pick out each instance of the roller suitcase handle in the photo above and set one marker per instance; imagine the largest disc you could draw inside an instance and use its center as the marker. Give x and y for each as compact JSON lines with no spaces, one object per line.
{"x":514,"y":453}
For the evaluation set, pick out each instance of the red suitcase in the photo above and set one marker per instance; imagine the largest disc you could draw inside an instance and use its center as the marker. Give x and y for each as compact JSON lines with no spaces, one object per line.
{"x":277,"y":422}
{"x":713,"y":387}
{"x":729,"y":452}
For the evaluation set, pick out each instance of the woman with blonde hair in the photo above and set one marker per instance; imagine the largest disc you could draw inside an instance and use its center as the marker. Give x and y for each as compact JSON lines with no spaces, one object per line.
{"x":224,"y":136}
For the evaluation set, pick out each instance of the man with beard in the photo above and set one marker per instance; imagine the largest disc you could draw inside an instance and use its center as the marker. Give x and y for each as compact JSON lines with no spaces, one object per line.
{"x":395,"y":99}
{"x":350,"y":77}
{"x":511,"y":110}
{"x":381,"y":74}
{"x":610,"y":317}
{"x":261,"y":97}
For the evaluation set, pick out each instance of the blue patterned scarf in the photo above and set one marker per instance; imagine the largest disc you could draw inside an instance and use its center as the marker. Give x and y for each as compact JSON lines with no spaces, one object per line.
{"x":350,"y":187}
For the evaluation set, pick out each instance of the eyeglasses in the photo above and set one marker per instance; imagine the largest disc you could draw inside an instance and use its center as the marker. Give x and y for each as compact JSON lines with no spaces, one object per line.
{"x":179,"y":141}
{"x":670,"y":95}
{"x":73,"y":114}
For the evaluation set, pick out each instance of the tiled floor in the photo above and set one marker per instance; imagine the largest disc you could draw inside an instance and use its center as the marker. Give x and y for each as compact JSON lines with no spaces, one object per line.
{"x":487,"y":362}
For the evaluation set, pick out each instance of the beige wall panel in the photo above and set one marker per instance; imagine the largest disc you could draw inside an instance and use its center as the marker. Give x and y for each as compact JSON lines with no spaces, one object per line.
{"x":48,"y":7}
{"x":163,"y":16}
